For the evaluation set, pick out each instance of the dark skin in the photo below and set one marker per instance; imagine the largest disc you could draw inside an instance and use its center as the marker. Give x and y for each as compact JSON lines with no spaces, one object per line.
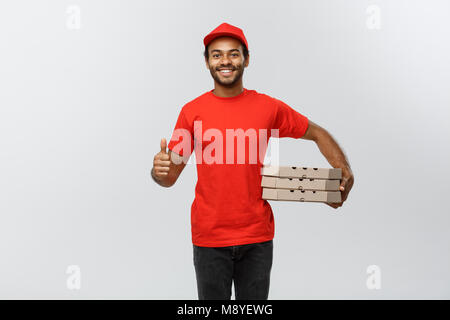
{"x":224,"y":53}
{"x":335,"y":157}
{"x":227,"y":53}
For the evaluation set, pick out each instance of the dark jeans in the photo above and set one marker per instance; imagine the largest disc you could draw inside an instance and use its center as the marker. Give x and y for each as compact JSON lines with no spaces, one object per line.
{"x":249,"y":265}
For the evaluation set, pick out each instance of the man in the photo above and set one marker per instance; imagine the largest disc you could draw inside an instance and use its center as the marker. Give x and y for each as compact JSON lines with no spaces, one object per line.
{"x":232,"y":226}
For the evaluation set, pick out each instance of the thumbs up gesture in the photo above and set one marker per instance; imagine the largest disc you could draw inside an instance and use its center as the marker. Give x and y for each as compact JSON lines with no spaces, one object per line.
{"x":161,"y":161}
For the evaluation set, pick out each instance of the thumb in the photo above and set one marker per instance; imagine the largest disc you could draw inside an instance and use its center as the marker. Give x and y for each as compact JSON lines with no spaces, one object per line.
{"x":163,"y":145}
{"x":342,"y":186}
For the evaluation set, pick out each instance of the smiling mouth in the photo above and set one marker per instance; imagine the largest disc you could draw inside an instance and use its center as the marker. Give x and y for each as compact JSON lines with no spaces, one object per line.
{"x":226,"y":72}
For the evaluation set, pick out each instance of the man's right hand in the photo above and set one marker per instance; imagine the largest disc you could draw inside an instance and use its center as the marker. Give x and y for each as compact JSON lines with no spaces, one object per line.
{"x":167,"y":166}
{"x":161,"y":162}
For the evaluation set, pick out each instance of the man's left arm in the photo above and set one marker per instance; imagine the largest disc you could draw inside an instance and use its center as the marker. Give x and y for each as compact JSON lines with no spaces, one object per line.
{"x":334,"y":155}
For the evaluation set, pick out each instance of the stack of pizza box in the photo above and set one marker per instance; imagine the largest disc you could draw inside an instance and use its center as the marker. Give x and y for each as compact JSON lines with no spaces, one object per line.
{"x":301,"y":184}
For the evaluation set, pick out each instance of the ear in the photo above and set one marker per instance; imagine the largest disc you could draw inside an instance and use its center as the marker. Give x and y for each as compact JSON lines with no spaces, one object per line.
{"x":246,"y":62}
{"x":207,"y":63}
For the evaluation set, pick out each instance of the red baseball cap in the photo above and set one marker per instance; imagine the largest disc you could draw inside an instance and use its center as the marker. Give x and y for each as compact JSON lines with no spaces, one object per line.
{"x":225,"y":29}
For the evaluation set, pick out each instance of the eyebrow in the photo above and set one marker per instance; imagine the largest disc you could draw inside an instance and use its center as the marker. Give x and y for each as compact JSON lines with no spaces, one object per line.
{"x":221,"y":50}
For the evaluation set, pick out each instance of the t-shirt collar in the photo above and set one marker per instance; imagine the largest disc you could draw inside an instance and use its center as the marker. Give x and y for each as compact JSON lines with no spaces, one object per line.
{"x":240,"y":95}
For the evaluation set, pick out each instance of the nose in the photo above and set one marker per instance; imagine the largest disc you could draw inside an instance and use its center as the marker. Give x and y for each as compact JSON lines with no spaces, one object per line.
{"x":225,"y":60}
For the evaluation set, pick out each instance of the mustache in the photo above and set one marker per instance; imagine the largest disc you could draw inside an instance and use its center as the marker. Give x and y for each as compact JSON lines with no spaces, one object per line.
{"x":230,"y":67}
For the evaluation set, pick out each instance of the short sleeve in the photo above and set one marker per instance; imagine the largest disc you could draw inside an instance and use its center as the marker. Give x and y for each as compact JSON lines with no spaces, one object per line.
{"x":288,"y":121}
{"x":182,"y":140}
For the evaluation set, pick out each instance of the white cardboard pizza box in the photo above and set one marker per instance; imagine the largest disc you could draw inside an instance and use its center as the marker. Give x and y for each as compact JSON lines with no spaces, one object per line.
{"x":300,"y":183}
{"x":301,"y":172}
{"x":301,"y":195}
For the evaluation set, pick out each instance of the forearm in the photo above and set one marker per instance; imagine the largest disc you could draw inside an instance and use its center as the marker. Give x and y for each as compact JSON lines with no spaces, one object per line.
{"x":336,"y":157}
{"x":331,"y":151}
{"x":162,"y":181}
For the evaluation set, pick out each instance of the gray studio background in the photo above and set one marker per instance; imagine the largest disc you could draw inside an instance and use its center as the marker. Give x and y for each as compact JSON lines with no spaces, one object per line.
{"x":84,"y":104}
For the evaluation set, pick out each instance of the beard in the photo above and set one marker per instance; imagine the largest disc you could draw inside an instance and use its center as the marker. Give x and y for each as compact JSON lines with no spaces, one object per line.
{"x":227,"y":81}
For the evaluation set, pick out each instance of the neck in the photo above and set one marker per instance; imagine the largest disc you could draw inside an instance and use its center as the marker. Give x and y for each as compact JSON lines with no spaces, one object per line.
{"x":227,"y":92}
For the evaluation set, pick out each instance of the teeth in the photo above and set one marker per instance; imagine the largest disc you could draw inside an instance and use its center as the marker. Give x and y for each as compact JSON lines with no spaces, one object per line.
{"x":225,"y":71}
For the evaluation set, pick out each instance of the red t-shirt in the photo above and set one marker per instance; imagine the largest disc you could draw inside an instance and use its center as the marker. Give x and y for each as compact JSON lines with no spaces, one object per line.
{"x":228,"y":208}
